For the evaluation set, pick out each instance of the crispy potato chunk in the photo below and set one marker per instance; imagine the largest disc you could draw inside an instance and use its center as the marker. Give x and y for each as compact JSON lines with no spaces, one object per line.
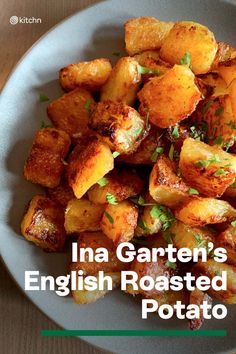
{"x":83,"y":297}
{"x":207,"y":168}
{"x":90,"y":75}
{"x":216,"y":83}
{"x":123,"y":83}
{"x":171,"y":97}
{"x":120,"y":126}
{"x":45,"y":162}
{"x":227,"y":240}
{"x":119,"y":221}
{"x":165,"y":186}
{"x":194,"y":38}
{"x":197,"y":297}
{"x":211,"y":269}
{"x":224,"y":53}
{"x":202,"y":211}
{"x":61,"y":194}
{"x":82,"y":215}
{"x":68,"y":112}
{"x":43,"y":224}
{"x":97,"y":240}
{"x":227,"y":70}
{"x":145,"y":33}
{"x":185,"y":236}
{"x":88,"y":163}
{"x":122,"y":184}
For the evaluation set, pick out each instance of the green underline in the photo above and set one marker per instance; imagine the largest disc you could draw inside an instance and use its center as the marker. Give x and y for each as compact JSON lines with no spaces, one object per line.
{"x":134,"y":333}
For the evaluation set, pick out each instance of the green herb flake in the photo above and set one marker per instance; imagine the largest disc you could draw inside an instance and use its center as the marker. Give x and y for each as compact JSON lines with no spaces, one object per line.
{"x":157,"y":152}
{"x":233,"y":185}
{"x":233,"y":223}
{"x":169,"y":236}
{"x":193,"y":191}
{"x":218,"y":273}
{"x":206,"y":106}
{"x":102,"y":182}
{"x":142,"y":70}
{"x":44,"y":125}
{"x":138,"y":131}
{"x":171,"y":264}
{"x":109,"y":217}
{"x":111,"y":199}
{"x":206,"y":163}
{"x":219,"y":111}
{"x":171,"y":152}
{"x":164,"y":214}
{"x":115,"y":154}
{"x":142,"y":224}
{"x":186,"y":59}
{"x":175,"y":132}
{"x":219,"y":141}
{"x":43,"y":97}
{"x":232,"y":124}
{"x":220,"y":172}
{"x":87,"y":105}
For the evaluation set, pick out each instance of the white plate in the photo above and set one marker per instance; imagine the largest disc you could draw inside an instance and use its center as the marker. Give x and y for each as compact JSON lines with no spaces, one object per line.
{"x":95,"y":32}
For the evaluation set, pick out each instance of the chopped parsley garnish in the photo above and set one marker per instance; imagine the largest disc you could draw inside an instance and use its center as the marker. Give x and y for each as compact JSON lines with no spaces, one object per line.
{"x":138,"y":131}
{"x":175,"y":133}
{"x":220,"y":172}
{"x":233,"y":185}
{"x":109,"y":217}
{"x":87,"y":105}
{"x":186,"y":59}
{"x":171,"y":152}
{"x":44,"y":125}
{"x":219,"y":141}
{"x":140,"y":201}
{"x":115,"y":154}
{"x":206,"y":163}
{"x":156,"y":153}
{"x":199,"y":240}
{"x":206,"y":106}
{"x":102,"y":182}
{"x":228,"y":145}
{"x":168,"y":236}
{"x":142,"y":224}
{"x":219,"y":111}
{"x":232,"y":124}
{"x":143,"y":70}
{"x":218,"y":273}
{"x":233,"y":223}
{"x":198,"y":133}
{"x":193,"y":191}
{"x":111,"y":199}
{"x":164,"y":214}
{"x":43,"y":97}
{"x":171,"y":264}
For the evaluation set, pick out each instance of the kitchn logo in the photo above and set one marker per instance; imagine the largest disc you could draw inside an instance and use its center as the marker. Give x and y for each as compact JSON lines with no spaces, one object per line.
{"x":24,"y":20}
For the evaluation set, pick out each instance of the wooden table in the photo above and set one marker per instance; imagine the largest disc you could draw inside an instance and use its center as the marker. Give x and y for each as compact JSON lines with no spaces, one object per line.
{"x":20,"y":320}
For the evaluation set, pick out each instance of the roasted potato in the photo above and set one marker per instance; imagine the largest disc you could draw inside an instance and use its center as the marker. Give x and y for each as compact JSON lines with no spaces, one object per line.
{"x":147,"y":224}
{"x":118,"y":125}
{"x":224,"y":53}
{"x":145,"y":33}
{"x":61,"y":194}
{"x":165,"y":186}
{"x":69,"y":112}
{"x":227,"y":70}
{"x":45,"y":162}
{"x":90,"y":75}
{"x":232,"y":96}
{"x":119,"y":221}
{"x":207,"y":168}
{"x":120,"y":183}
{"x":196,"y":298}
{"x":95,"y":240}
{"x":89,"y":162}
{"x":43,"y":224}
{"x":82,"y":215}
{"x":227,"y":240}
{"x":211,"y":269}
{"x":123,"y":83}
{"x":150,"y":59}
{"x":198,"y":211}
{"x":83,"y":297}
{"x":170,"y":98}
{"x":193,"y":38}
{"x":217,"y":84}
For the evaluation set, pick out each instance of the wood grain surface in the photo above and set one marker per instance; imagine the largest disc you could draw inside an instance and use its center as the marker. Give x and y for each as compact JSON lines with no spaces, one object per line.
{"x":20,"y":320}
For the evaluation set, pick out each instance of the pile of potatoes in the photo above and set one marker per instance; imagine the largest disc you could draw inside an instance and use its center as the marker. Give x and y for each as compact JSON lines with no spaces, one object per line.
{"x":143,"y":152}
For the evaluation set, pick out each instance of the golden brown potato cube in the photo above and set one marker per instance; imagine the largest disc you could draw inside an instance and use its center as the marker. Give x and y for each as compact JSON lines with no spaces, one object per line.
{"x":198,"y":211}
{"x":224,"y":53}
{"x":43,"y":224}
{"x":232,"y":95}
{"x":217,"y":84}
{"x":145,"y":33}
{"x":83,"y":297}
{"x":119,"y":221}
{"x":61,"y":194}
{"x":196,"y":298}
{"x":45,"y":162}
{"x":227,"y":240}
{"x":95,"y":240}
{"x":151,"y":60}
{"x":120,"y":126}
{"x":207,"y":168}
{"x":82,"y":215}
{"x":69,"y":112}
{"x":170,"y":98}
{"x":120,"y":183}
{"x":193,"y":38}
{"x":123,"y":83}
{"x":165,"y":186}
{"x":90,"y":75}
{"x":185,"y":236}
{"x":147,"y":224}
{"x":148,"y":151}
{"x":227,"y":70}
{"x":211,"y":269}
{"x":88,"y":163}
